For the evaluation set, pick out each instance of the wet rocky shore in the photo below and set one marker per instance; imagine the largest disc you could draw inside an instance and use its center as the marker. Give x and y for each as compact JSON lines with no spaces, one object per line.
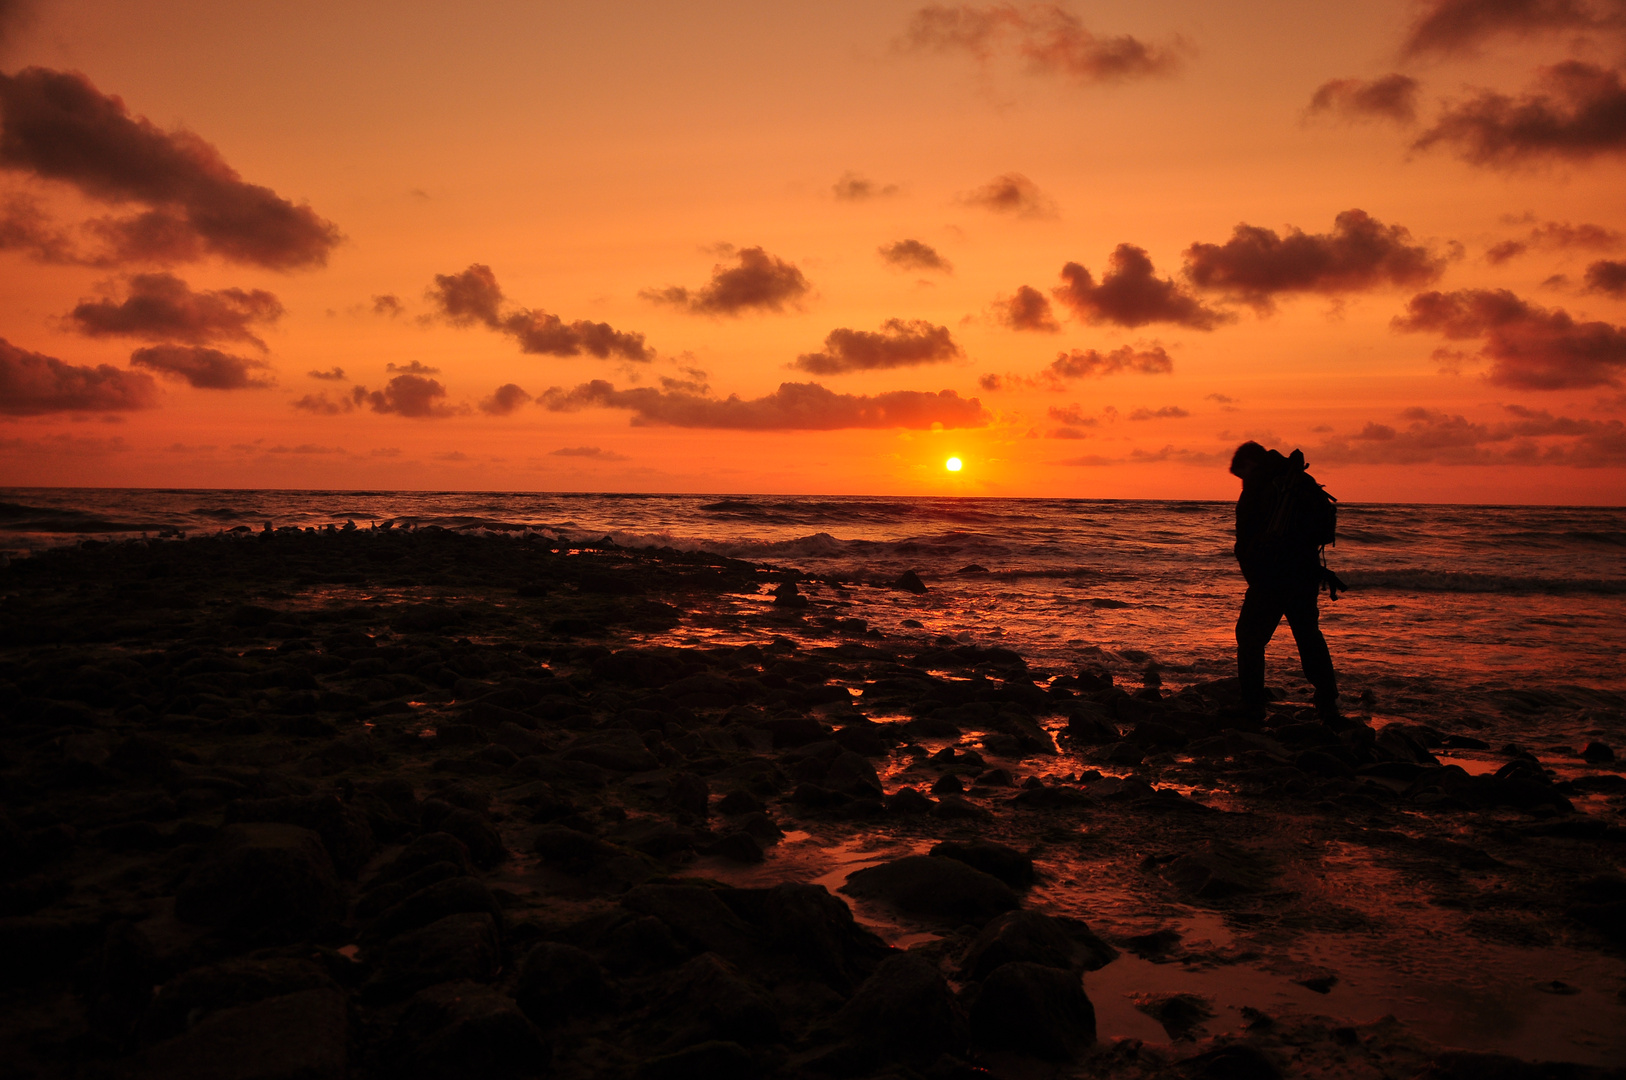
{"x":368,"y":803}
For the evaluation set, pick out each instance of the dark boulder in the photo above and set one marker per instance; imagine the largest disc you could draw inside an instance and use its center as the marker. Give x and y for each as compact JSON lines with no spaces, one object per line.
{"x":935,"y":887}
{"x":186,"y":999}
{"x":1034,"y":1010}
{"x":298,"y":1036}
{"x":807,"y":922}
{"x":345,"y":831}
{"x":1030,"y":937}
{"x":909,"y":581}
{"x":463,"y":1030}
{"x":998,"y":860}
{"x":617,"y":749}
{"x":905,"y":1006}
{"x":1242,"y":1062}
{"x":456,"y":947}
{"x":708,"y":1000}
{"x":696,"y":915}
{"x":261,"y":880}
{"x":713,"y":1060}
{"x":1217,"y":873}
{"x":558,"y":981}
{"x":448,"y":896}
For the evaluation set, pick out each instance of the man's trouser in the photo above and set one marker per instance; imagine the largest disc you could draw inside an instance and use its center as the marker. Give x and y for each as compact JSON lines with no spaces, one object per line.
{"x":1262,"y":609}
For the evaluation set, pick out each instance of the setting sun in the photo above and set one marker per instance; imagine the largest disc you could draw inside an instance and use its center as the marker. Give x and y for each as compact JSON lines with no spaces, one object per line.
{"x":953,"y":464}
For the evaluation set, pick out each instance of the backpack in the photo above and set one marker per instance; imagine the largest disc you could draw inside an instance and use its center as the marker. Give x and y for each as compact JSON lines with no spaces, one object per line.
{"x":1306,"y":512}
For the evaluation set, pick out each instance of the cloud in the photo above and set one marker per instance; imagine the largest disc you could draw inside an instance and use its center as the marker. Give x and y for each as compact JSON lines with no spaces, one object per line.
{"x":913,"y":255}
{"x":1528,"y":437}
{"x":32,"y":384}
{"x":1559,"y":235}
{"x":1092,"y":363}
{"x":322,"y":405}
{"x":333,"y":374}
{"x":1223,"y":399}
{"x":1074,"y":419}
{"x":1578,"y":113}
{"x":1167,"y":412}
{"x":414,"y":368}
{"x":161,"y":307}
{"x":504,"y":400}
{"x":1447,"y":27}
{"x":1029,"y":309}
{"x":1183,"y":455}
{"x":473,"y":296}
{"x":898,"y":344}
{"x":1256,"y":265}
{"x":1531,"y":347}
{"x":1393,"y":97}
{"x":1012,"y":194}
{"x":1130,"y":294}
{"x":1050,"y":39}
{"x":855,"y":188}
{"x":388,"y":304}
{"x":406,"y":395}
{"x":792,"y":407}
{"x":204,"y":368}
{"x":759,"y":282}
{"x":57,"y":126}
{"x":587,"y":452}
{"x":1607,"y":276}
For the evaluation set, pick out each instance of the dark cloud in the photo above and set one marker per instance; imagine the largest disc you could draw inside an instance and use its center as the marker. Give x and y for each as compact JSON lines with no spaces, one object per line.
{"x":1256,"y":265}
{"x":1050,"y":39}
{"x":1528,"y":437}
{"x":1130,"y":294}
{"x":406,"y":395}
{"x":1074,"y":420}
{"x":1556,"y":235}
{"x":1448,"y":27}
{"x":32,"y":384}
{"x":333,"y":374}
{"x":1167,"y":412}
{"x":26,"y":228}
{"x":322,"y":405}
{"x":855,"y":188}
{"x":1530,"y":347}
{"x":1182,"y":455}
{"x":57,"y":126}
{"x":1577,"y":113}
{"x":161,"y":307}
{"x":1607,"y":276}
{"x":758,"y":282}
{"x":1497,"y":254}
{"x":1393,"y":97}
{"x":14,"y":15}
{"x":414,"y":368}
{"x":1012,"y":194}
{"x":474,"y":297}
{"x":592,"y":452}
{"x":1029,"y":309}
{"x":388,"y":304}
{"x":898,"y":344}
{"x":204,"y":368}
{"x":1223,"y":399}
{"x":792,"y":407}
{"x":914,"y":255}
{"x":1092,"y":363}
{"x":504,"y":400}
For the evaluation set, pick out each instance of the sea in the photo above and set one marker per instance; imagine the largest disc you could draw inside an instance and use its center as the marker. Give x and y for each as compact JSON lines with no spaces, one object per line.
{"x":1509,"y":621}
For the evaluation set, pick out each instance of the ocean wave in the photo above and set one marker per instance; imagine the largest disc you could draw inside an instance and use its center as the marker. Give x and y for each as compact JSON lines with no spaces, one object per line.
{"x":1457,"y":581}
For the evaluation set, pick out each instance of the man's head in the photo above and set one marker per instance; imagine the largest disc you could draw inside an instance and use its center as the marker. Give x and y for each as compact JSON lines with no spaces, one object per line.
{"x":1248,"y":457}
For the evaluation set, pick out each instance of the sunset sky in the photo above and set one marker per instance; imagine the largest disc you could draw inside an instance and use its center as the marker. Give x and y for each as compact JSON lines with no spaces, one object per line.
{"x":816,"y":247}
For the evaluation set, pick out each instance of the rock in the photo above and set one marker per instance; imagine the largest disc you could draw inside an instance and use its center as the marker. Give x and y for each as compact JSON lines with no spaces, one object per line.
{"x":617,"y":749}
{"x":193,"y":995}
{"x":954,"y":808}
{"x":1030,"y":937}
{"x":708,"y":1000}
{"x":1180,"y":1014}
{"x":484,"y":843}
{"x":571,"y":850}
{"x":740,"y":847}
{"x":908,"y":800}
{"x":259,"y":880}
{"x":909,"y":581}
{"x":948,"y":784}
{"x":690,"y":794}
{"x":805,"y":921}
{"x":449,"y":896}
{"x":934,"y":887}
{"x":641,"y":945}
{"x":852,"y":774}
{"x":696,"y":916}
{"x":1597,"y":753}
{"x":1035,"y":1010}
{"x":1222,"y":871}
{"x":460,"y":1030}
{"x":559,"y":981}
{"x":456,"y":947}
{"x":299,"y":1036}
{"x":381,"y":898}
{"x":907,"y":1006}
{"x":714,"y":1060}
{"x":344,"y":830}
{"x":1243,"y":1062}
{"x":997,"y":860}
{"x":1091,"y":728}
{"x":435,"y":847}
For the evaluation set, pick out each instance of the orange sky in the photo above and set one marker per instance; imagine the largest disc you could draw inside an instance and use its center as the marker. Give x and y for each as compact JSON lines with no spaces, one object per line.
{"x":201,"y":204}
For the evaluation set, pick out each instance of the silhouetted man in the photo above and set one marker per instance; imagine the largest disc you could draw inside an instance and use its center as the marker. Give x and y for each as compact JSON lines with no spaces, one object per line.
{"x":1282,"y":520}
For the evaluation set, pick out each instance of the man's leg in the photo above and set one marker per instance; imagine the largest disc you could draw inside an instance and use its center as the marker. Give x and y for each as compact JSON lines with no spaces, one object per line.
{"x":1305,"y":619}
{"x":1261,"y":611}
